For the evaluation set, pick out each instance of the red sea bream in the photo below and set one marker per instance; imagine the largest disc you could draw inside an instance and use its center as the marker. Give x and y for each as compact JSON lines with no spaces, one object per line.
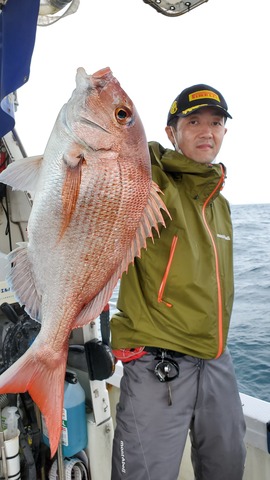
{"x":94,"y":206}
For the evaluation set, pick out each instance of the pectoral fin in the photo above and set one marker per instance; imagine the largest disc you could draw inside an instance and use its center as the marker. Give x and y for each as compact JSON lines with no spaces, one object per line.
{"x":70,"y":192}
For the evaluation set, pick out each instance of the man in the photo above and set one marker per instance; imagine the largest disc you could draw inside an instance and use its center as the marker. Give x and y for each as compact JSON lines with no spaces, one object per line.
{"x":174,"y":307}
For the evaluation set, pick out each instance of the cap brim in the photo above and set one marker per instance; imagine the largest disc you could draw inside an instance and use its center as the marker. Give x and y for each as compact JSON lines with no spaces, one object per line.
{"x":197,"y":107}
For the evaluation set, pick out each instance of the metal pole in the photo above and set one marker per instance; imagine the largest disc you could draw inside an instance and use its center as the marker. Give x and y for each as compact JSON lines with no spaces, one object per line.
{"x":60,"y":462}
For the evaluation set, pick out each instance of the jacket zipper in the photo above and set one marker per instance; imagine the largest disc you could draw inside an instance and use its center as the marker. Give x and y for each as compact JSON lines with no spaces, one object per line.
{"x":165,"y":276}
{"x":220,"y":312}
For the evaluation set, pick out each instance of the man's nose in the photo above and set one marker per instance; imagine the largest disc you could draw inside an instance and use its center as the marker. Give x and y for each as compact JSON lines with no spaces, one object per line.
{"x":206,"y":131}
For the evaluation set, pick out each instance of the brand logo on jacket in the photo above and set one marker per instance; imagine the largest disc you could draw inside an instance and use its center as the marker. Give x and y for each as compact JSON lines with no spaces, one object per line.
{"x":224,"y":237}
{"x":123,"y":460}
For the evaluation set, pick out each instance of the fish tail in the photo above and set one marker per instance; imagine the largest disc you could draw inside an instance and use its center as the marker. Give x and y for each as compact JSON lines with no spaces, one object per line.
{"x":44,"y":384}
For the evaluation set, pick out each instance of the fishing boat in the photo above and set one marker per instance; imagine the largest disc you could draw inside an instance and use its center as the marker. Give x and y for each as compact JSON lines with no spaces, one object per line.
{"x":102,"y":395}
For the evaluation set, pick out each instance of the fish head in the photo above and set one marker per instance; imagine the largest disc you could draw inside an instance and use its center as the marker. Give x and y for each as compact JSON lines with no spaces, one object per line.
{"x":101,"y":118}
{"x":98,"y":140}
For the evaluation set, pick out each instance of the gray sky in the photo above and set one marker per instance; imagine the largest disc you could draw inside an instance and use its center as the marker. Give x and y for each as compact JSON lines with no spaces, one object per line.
{"x":223,"y":43}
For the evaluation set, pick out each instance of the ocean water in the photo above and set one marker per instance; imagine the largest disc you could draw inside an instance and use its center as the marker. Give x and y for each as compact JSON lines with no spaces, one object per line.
{"x":249,"y":336}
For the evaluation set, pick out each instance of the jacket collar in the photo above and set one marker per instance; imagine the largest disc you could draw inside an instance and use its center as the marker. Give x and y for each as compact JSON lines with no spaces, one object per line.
{"x":200,"y":180}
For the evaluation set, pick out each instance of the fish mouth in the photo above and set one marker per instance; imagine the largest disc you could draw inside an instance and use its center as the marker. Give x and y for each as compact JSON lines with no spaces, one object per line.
{"x":102,"y":72}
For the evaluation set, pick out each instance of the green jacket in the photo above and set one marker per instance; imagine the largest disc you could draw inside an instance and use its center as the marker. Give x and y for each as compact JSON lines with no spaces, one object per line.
{"x":179,"y":294}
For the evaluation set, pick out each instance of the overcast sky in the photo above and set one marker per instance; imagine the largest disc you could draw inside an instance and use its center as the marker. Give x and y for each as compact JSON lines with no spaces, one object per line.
{"x":223,"y":43}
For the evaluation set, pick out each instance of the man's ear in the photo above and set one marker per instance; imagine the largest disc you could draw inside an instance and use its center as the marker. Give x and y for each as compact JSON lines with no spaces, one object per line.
{"x":168,"y":130}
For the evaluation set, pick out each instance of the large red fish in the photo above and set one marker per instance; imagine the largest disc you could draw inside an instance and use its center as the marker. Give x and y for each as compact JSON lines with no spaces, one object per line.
{"x":94,"y":206}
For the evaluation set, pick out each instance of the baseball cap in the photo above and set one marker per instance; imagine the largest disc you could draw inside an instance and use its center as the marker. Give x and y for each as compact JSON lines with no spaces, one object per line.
{"x":197,"y":96}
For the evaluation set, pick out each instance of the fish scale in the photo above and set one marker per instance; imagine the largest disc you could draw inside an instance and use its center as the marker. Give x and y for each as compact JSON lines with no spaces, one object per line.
{"x":94,"y":206}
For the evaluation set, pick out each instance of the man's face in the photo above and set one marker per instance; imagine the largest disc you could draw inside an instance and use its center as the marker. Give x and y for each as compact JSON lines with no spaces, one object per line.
{"x":199,"y":135}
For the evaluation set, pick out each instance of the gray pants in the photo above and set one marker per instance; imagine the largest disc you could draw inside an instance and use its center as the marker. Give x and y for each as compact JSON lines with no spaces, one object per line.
{"x":150,"y":434}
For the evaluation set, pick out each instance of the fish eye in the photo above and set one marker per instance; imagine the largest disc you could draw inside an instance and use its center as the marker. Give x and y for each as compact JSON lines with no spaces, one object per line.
{"x":123,"y":115}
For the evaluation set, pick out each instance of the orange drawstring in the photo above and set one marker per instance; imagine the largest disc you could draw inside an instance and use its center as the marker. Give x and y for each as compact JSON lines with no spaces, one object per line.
{"x":165,"y":276}
{"x":220,"y":316}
